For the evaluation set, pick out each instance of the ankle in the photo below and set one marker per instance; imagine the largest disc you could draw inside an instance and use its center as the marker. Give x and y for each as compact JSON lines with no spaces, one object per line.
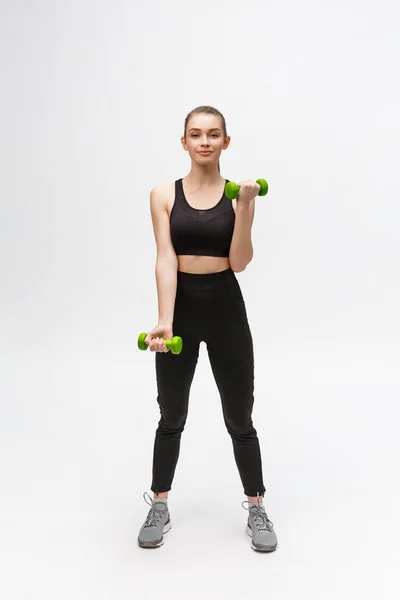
{"x":255,"y":500}
{"x":161,"y":495}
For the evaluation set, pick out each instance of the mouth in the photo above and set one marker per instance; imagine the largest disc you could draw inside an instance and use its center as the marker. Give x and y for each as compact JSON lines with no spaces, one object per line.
{"x":205,"y":153}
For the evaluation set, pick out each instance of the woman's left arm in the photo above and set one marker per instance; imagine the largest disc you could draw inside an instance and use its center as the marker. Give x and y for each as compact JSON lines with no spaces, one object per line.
{"x":241,"y":250}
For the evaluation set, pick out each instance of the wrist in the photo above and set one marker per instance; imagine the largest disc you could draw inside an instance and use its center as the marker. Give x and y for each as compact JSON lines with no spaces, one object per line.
{"x":243,"y":206}
{"x":165,"y":323}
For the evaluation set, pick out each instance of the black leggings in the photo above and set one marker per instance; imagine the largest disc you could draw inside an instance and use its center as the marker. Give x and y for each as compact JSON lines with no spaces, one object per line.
{"x":208,"y":308}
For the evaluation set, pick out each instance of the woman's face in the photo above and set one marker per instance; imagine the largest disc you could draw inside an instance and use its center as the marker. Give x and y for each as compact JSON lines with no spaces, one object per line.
{"x":204,"y":132}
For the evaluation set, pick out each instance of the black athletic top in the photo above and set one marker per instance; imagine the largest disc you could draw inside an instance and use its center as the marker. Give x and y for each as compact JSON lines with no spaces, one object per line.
{"x":201,"y":232}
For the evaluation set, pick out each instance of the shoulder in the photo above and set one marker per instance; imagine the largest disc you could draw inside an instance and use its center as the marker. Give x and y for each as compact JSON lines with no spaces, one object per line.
{"x":161,"y":191}
{"x":162,"y":197}
{"x":161,"y":194}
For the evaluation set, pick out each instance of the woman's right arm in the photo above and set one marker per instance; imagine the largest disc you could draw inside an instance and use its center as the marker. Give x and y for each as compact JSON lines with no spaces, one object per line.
{"x":167,"y":261}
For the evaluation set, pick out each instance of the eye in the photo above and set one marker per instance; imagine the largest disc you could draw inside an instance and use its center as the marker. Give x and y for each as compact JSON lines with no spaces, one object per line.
{"x":212,"y":135}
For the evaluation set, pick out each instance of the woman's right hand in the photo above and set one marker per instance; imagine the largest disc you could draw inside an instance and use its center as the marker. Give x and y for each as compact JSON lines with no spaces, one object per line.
{"x":155,"y":337}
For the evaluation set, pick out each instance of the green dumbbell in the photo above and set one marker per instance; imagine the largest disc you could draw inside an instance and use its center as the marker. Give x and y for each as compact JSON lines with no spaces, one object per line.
{"x":232,"y":189}
{"x":175,"y":345}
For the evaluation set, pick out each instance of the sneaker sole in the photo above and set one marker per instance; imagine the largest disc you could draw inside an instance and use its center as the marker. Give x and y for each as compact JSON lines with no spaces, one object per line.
{"x":148,"y":544}
{"x":265,"y":549}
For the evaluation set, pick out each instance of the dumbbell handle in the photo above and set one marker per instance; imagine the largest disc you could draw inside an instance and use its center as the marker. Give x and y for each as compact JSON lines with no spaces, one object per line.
{"x":232,"y":189}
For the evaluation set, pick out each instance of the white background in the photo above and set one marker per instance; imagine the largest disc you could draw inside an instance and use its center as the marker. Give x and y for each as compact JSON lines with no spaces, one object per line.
{"x":93,"y":101}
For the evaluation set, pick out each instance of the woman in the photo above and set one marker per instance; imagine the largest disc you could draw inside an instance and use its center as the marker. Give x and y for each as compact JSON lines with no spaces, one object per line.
{"x":202,"y":239}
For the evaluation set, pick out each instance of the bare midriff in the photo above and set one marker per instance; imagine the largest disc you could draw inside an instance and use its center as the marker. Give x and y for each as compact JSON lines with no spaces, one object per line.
{"x":202,"y":264}
{"x":198,"y":264}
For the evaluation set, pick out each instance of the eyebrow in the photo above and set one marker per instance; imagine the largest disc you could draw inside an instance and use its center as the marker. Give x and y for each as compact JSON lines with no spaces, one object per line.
{"x":197,"y":129}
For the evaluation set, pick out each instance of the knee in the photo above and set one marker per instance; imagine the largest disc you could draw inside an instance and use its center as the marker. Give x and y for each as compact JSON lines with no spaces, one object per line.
{"x":240,"y":429}
{"x":171,"y":425}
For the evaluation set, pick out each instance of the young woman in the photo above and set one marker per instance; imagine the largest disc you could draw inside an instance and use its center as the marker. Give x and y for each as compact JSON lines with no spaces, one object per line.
{"x":202,"y":239}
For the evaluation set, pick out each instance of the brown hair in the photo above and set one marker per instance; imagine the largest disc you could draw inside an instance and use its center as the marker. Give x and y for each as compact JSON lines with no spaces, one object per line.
{"x":208,"y":110}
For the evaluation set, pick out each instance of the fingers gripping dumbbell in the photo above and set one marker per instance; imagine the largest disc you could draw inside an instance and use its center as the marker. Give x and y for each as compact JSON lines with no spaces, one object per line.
{"x":232,"y":189}
{"x":175,"y":345}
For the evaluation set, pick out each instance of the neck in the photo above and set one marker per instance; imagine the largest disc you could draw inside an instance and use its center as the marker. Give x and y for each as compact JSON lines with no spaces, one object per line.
{"x":203,"y":175}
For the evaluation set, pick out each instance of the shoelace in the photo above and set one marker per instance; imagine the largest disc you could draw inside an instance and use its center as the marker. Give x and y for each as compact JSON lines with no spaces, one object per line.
{"x":260,"y":516}
{"x":155,"y":514}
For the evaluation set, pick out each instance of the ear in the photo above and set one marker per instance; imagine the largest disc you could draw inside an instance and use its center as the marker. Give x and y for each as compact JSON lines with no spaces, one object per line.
{"x":227,"y":142}
{"x":184,"y":144}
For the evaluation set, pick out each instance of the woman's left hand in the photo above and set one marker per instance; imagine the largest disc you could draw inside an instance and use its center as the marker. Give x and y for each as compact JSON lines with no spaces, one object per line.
{"x":248,"y":190}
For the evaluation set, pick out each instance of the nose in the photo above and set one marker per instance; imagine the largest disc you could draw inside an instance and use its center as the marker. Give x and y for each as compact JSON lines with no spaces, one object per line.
{"x":204,"y":141}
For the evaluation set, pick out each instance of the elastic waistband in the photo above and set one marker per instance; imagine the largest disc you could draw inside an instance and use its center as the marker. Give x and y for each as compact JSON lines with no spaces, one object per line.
{"x":206,"y":277}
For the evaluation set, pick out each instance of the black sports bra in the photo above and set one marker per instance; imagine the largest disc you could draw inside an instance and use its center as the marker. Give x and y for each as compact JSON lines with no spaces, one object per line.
{"x":201,"y":232}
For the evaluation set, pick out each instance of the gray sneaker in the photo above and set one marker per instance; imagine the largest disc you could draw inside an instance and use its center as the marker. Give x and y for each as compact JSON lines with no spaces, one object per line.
{"x":260,"y":528}
{"x":156,"y":524}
